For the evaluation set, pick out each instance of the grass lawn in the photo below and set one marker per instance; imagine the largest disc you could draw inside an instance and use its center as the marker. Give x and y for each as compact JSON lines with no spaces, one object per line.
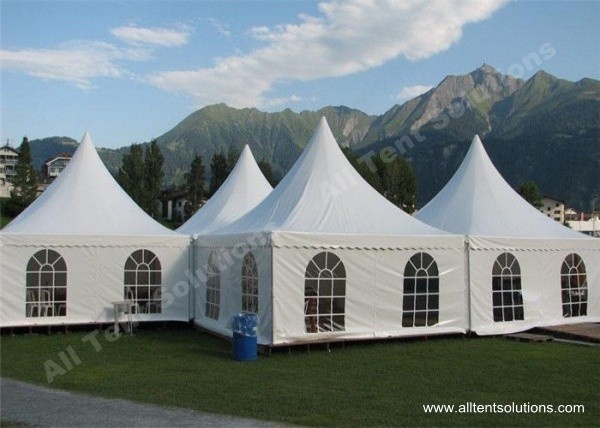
{"x":372,"y":384}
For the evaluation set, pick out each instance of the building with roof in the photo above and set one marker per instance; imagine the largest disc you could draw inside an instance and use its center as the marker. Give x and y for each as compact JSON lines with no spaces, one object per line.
{"x":8,"y":169}
{"x":54,"y":165}
{"x":553,"y":208}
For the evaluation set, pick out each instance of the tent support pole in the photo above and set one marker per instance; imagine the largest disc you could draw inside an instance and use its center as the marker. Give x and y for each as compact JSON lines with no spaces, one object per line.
{"x":271,"y":247}
{"x":468,"y":279}
{"x":192,"y":289}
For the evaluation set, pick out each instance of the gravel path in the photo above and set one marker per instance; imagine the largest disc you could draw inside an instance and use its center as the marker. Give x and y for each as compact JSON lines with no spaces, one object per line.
{"x":39,"y":406}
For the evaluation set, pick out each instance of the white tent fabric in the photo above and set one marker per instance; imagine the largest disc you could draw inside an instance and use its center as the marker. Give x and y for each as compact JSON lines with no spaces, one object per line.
{"x":323,"y":193}
{"x":66,"y":258}
{"x":478,"y":203}
{"x":324,"y":209}
{"x":85,"y":200}
{"x":244,"y":188}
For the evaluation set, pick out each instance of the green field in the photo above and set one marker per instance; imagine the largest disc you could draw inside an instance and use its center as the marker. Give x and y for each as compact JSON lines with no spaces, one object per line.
{"x":375,"y":384}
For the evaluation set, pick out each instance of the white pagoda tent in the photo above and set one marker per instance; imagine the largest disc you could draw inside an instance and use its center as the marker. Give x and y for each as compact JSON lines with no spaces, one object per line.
{"x":325,"y":257}
{"x":244,"y":188}
{"x":82,"y":245}
{"x":525,"y":269}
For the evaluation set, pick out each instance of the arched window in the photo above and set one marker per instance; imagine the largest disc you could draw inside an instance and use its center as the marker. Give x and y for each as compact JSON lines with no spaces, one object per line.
{"x":421,"y":302}
{"x":507,"y":300}
{"x":249,"y":284}
{"x":573,"y":282}
{"x":142,"y":279}
{"x":324,"y":294}
{"x":213,"y":287}
{"x":46,"y":285}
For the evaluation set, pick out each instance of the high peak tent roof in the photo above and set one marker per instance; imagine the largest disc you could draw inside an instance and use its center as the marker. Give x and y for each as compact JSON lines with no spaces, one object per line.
{"x":85,"y":200}
{"x":323,"y":193}
{"x":477,"y":201}
{"x":244,"y":188}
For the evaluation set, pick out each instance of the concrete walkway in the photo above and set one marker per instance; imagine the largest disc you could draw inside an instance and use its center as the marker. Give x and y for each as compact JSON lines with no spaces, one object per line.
{"x":38,"y":406}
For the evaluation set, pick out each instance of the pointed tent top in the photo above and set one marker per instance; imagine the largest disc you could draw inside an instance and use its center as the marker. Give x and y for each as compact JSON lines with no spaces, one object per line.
{"x":324,"y":193}
{"x":86,"y":138}
{"x":85,"y":200}
{"x":244,"y":188}
{"x":478,"y":201}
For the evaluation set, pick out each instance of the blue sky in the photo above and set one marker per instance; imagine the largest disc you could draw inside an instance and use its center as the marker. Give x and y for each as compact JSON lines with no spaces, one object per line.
{"x":130,"y":70}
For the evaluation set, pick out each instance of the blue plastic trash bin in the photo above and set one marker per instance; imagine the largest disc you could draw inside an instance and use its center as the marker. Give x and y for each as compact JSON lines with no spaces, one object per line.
{"x":244,"y":328}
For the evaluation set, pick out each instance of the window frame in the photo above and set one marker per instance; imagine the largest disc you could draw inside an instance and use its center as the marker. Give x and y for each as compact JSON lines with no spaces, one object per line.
{"x":249,"y":283}
{"x":48,"y":300}
{"x":325,"y":294}
{"x":142,"y":281}
{"x":507,"y":295}
{"x":213,"y":287}
{"x":421,"y":291}
{"x":574,"y":287}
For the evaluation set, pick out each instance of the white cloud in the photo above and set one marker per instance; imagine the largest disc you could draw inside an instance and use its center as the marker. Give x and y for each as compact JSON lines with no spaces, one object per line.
{"x":167,"y":37}
{"x":410,"y":92}
{"x":275,"y":102}
{"x":348,"y":36}
{"x":75,"y":62}
{"x":79,"y":62}
{"x":222,"y":28}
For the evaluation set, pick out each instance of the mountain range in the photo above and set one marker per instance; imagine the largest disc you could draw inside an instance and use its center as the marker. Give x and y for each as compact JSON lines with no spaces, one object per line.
{"x":544,"y":129}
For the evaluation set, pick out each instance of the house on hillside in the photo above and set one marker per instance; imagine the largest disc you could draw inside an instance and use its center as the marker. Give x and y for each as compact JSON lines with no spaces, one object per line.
{"x":54,"y":165}
{"x":171,"y":204}
{"x":571,"y":214}
{"x":553,"y":208}
{"x":8,"y":169}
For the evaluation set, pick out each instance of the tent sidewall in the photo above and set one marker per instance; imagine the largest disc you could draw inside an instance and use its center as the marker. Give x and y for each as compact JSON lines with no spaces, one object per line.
{"x":95,"y":277}
{"x":540,"y":263}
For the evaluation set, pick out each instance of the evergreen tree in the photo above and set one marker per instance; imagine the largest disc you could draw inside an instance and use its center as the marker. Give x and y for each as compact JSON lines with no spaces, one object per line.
{"x":219,"y":168}
{"x":153,"y":160}
{"x":363,"y":169}
{"x":132,"y":175}
{"x":400,"y":184}
{"x":24,"y":182}
{"x":195,"y":184}
{"x":232,"y":158}
{"x":267,"y":171}
{"x":530,"y":192}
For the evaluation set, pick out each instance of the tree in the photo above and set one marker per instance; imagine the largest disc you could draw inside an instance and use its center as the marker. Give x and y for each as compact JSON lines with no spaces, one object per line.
{"x":232,"y":158}
{"x":132,"y":175}
{"x":400,"y":184}
{"x":267,"y":171}
{"x":24,"y":182}
{"x":530,"y":192}
{"x":370,"y":176}
{"x":195,"y":184}
{"x":219,"y":167}
{"x":153,"y":160}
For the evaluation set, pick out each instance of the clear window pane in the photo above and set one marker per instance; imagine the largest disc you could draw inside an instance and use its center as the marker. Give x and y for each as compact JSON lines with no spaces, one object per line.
{"x":324,"y":291}
{"x":420,"y":302}
{"x":46,"y":281}
{"x":507,"y":301}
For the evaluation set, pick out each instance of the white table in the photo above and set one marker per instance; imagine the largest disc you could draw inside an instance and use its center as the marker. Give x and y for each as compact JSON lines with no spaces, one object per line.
{"x":124,"y":306}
